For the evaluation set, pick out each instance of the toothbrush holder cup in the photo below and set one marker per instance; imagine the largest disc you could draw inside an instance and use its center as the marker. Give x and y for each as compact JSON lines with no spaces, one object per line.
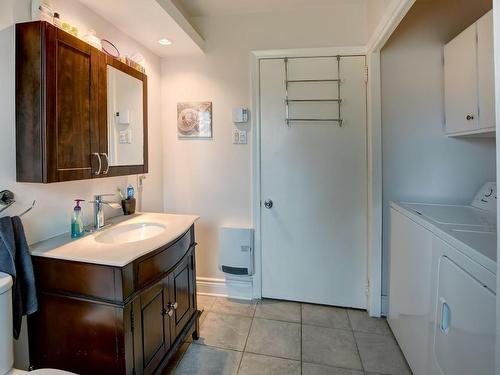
{"x":128,"y":206}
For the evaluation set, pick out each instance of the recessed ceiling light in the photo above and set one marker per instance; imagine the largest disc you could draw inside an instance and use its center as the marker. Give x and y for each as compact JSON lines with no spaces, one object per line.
{"x":165,"y":42}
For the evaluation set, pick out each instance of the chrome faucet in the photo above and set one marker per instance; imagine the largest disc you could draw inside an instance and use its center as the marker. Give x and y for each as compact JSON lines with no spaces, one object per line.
{"x":99,"y":212}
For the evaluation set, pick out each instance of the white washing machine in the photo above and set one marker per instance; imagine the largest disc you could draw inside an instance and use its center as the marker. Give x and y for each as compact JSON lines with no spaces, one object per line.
{"x":442,"y":284}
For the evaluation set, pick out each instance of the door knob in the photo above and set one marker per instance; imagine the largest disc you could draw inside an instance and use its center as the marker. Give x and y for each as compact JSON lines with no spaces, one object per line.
{"x":470,"y":117}
{"x":268,"y":204}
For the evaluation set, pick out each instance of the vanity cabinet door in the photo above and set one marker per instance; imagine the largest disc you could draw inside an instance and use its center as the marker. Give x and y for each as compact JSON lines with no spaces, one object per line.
{"x":183,"y":289}
{"x":152,"y":336}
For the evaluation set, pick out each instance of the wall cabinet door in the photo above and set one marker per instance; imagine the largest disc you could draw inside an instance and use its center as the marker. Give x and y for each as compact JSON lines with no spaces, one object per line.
{"x":182,"y":286}
{"x":123,"y":119}
{"x":486,"y":71}
{"x":152,"y":336}
{"x":469,"y":80}
{"x":72,"y":69}
{"x":56,"y":104}
{"x":460,"y":81}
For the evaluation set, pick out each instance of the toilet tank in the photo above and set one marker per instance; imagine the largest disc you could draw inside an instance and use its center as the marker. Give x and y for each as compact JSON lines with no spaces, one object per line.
{"x":6,"y":339}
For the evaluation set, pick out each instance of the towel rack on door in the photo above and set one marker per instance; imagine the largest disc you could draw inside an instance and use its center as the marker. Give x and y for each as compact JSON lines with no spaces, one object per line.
{"x":337,"y":100}
{"x":7,"y":200}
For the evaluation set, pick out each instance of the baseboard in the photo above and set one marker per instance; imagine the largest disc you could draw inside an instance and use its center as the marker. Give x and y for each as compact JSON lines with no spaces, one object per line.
{"x":232,"y":288}
{"x":385,"y":305}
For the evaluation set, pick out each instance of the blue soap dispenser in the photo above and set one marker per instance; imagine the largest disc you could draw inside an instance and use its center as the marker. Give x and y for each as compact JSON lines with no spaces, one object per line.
{"x":77,"y":229}
{"x":130,"y":191}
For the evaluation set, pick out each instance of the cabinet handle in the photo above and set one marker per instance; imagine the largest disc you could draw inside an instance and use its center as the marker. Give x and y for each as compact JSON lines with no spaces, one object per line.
{"x":470,"y":117}
{"x":170,"y":312}
{"x":107,"y":163}
{"x":98,"y":172}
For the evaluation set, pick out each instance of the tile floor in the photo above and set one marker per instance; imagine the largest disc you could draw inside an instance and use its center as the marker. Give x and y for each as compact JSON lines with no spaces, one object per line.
{"x":275,"y":337}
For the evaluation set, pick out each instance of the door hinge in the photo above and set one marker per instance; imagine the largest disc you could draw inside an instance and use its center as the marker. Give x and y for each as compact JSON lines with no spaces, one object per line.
{"x":132,"y":321}
{"x":366,"y":73}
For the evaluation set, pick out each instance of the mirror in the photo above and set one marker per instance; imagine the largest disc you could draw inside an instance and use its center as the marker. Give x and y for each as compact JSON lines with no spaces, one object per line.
{"x":125,"y":119}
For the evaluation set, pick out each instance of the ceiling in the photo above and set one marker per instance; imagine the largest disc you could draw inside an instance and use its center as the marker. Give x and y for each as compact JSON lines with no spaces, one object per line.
{"x":196,"y":8}
{"x":149,"y":20}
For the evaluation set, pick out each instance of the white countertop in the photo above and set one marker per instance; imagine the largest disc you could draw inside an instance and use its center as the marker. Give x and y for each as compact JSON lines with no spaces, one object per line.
{"x":87,"y":249}
{"x":476,"y":238}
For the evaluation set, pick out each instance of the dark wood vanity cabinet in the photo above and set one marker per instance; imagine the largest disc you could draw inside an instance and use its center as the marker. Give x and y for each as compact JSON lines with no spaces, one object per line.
{"x":61,"y":85}
{"x":96,"y":319}
{"x":173,"y":298}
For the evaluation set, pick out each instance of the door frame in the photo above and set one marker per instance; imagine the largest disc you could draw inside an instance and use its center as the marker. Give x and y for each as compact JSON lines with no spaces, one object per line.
{"x":382,"y":33}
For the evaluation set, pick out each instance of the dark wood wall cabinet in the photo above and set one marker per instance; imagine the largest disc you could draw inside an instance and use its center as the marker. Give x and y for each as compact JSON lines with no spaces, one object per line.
{"x":62,"y":130}
{"x":96,"y":319}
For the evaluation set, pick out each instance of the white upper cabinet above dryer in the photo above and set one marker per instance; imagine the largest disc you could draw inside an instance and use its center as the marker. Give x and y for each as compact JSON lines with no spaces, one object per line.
{"x":469,"y":80}
{"x":486,"y":72}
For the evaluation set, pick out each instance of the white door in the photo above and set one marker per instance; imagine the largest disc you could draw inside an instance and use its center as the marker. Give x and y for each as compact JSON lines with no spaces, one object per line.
{"x":460,"y":82}
{"x":314,"y":237}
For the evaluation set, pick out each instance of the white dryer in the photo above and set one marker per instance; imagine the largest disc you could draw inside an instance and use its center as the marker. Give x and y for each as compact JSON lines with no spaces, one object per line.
{"x":442,"y":289}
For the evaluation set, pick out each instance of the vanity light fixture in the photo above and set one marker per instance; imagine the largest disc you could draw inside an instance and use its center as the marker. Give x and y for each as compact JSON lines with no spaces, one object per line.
{"x":165,"y":42}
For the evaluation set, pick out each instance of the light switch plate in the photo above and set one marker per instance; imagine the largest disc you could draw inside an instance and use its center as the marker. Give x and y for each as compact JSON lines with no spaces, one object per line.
{"x":243,"y":137}
{"x":236,"y":136}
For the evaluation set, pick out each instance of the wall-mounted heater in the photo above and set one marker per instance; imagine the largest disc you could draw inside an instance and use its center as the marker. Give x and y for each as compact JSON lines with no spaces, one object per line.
{"x":236,"y":251}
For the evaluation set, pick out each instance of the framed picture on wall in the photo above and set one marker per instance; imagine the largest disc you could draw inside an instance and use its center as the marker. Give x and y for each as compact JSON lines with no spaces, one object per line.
{"x":194,"y":120}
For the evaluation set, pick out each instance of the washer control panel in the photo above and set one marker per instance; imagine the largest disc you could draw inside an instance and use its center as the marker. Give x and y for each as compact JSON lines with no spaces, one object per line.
{"x":486,"y":197}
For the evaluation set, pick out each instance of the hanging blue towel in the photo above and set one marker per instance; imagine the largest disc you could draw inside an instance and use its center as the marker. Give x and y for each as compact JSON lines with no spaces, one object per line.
{"x":15,"y":259}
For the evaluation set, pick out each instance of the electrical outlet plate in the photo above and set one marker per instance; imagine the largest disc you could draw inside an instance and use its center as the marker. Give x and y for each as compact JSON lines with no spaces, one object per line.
{"x":125,"y":137}
{"x":239,"y":137}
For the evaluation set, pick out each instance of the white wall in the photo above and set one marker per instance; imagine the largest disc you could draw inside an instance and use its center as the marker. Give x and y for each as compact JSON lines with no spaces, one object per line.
{"x":419,"y":162}
{"x":375,"y":11}
{"x":214,"y":178}
{"x":51,"y":216}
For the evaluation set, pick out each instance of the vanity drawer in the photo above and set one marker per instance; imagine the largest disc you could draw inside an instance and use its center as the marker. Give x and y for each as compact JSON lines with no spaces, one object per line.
{"x":155,"y":266}
{"x":75,"y":278}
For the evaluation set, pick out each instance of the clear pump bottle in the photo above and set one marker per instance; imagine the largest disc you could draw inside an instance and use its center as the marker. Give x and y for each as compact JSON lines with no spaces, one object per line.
{"x":77,"y":228}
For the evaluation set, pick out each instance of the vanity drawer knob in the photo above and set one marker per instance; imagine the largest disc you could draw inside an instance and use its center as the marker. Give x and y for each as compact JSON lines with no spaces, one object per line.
{"x":171,"y":307}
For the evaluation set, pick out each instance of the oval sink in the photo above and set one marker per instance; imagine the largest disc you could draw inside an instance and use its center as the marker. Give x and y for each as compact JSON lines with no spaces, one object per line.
{"x":130,"y":233}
